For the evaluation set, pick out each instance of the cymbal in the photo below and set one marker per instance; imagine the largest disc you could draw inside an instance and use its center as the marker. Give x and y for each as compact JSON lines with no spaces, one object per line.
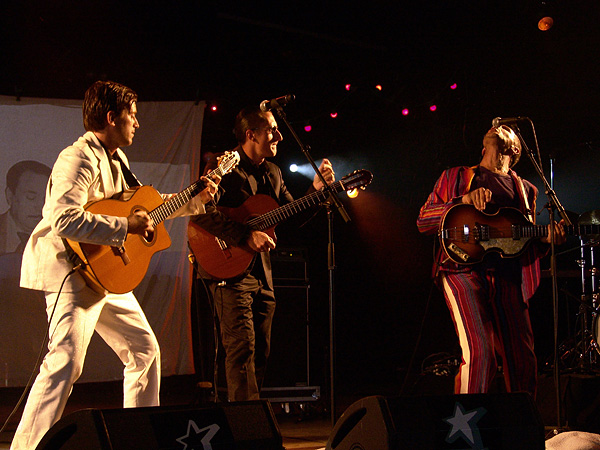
{"x":590,"y":218}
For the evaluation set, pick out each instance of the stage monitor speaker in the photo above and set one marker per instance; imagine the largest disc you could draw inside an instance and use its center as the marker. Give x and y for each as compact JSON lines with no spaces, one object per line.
{"x":219,"y":426}
{"x":466,"y":421}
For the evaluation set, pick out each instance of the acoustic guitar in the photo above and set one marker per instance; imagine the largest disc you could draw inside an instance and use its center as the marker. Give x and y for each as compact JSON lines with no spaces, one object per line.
{"x":467,"y":235}
{"x":120,"y":269}
{"x":261,"y":212}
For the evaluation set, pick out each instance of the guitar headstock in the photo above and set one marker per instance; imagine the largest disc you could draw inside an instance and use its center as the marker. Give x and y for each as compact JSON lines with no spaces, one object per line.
{"x":228,"y":161}
{"x":360,"y":178}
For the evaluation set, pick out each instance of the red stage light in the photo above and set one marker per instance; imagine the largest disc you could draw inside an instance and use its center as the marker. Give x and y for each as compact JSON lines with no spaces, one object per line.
{"x":405,"y":112}
{"x":545,"y":23}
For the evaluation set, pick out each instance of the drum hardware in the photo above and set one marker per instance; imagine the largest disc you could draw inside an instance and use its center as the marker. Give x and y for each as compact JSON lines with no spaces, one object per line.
{"x":582,"y":352}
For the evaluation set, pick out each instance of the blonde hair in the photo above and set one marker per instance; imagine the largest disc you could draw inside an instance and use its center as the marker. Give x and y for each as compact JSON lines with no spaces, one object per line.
{"x":509,"y":140}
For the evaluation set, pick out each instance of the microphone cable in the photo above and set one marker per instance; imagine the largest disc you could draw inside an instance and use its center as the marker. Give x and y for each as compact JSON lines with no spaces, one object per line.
{"x":41,"y":353}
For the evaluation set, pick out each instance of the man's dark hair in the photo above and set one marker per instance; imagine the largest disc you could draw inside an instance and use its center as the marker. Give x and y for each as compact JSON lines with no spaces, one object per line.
{"x":249,"y":118}
{"x":17,"y":170}
{"x":103,"y":97}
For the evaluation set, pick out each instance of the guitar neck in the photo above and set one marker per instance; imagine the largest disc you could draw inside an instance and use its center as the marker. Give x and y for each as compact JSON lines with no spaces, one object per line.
{"x":163,"y":211}
{"x":537,"y":231}
{"x":284,"y":212}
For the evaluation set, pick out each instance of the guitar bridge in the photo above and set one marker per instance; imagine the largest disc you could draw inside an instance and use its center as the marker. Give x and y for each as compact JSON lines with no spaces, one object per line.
{"x":458,"y":252}
{"x":224,"y":247}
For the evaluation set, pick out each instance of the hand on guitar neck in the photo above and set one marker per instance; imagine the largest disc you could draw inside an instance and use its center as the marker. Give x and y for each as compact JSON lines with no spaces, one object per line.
{"x":560,"y":235}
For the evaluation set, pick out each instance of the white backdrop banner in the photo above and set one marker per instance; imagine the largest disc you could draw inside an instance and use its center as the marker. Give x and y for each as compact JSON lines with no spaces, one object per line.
{"x":165,"y":154}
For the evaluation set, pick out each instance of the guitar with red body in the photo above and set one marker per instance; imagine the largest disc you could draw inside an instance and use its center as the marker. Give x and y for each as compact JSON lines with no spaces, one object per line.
{"x":263,"y":213}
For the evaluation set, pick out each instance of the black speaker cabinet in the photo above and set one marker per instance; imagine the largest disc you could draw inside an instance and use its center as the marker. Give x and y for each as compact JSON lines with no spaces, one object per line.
{"x":290,"y":347}
{"x":238,"y":425}
{"x":467,"y":421}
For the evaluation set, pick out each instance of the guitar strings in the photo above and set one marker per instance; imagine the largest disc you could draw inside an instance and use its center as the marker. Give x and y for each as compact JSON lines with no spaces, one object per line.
{"x":276,"y":215}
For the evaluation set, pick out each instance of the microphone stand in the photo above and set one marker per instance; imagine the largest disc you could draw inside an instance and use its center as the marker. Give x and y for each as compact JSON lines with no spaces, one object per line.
{"x":332,"y":200}
{"x":552,"y":205}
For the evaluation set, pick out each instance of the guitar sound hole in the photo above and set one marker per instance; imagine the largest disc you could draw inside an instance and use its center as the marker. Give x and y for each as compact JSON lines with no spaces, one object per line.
{"x":149,"y":237}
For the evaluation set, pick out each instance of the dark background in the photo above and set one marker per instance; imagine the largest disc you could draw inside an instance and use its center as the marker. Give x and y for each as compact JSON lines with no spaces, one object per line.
{"x":232,"y":54}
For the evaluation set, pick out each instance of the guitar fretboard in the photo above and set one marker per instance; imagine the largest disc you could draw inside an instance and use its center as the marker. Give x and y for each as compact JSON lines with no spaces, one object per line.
{"x":163,"y":211}
{"x":284,"y":212}
{"x":536,"y":231}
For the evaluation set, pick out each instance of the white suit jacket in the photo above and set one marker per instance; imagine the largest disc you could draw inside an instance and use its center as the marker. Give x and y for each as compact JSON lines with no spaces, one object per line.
{"x":82,"y":173}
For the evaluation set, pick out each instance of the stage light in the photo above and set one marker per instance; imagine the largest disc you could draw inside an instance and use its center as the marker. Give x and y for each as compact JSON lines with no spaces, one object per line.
{"x":432,"y":108}
{"x":293,"y":168}
{"x":378,"y":87}
{"x":213,"y":108}
{"x":545,"y":23}
{"x":307,"y":128}
{"x":348,"y":86}
{"x":405,"y":112}
{"x":545,"y":16}
{"x":453,"y":86}
{"x":333,"y":115}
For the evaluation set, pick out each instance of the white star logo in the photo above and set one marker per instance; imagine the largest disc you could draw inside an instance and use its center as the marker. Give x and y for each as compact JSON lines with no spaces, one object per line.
{"x":194,"y":439}
{"x":464,"y":424}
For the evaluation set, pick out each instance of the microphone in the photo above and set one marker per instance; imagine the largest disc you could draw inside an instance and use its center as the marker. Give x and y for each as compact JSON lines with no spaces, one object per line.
{"x":508,"y":121}
{"x":268,"y":105}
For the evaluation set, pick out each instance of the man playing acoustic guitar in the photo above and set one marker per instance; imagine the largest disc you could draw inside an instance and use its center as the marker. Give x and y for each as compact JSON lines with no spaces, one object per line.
{"x":91,"y":170}
{"x":245,"y":305}
{"x":488,"y":300}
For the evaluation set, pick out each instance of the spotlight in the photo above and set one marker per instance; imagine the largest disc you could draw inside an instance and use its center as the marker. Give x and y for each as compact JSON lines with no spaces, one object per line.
{"x":293,"y":168}
{"x":545,"y":23}
{"x":545,"y":16}
{"x":352,"y":193}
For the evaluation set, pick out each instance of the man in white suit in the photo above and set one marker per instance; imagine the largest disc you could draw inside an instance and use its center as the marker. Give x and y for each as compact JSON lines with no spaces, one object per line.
{"x":92,"y":169}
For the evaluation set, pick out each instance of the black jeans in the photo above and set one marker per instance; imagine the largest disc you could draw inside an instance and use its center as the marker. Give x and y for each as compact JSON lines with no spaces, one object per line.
{"x":245,"y":310}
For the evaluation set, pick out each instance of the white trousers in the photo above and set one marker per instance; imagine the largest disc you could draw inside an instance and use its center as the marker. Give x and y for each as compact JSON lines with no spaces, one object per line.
{"x":120,"y":321}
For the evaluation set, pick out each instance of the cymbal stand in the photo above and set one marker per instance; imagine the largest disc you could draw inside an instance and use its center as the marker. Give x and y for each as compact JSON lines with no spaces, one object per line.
{"x":587,"y":346}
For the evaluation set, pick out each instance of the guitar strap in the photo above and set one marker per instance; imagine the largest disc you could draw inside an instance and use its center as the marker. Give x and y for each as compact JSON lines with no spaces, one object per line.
{"x":253,"y":184}
{"x":130,"y":178}
{"x":521,"y":187}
